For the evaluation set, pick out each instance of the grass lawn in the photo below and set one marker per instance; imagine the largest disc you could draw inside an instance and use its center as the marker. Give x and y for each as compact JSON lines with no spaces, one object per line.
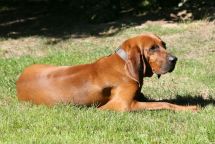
{"x":192,"y":82}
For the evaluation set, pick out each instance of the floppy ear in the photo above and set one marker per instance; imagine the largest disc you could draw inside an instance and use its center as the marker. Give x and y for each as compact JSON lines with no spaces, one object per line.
{"x":134,"y":65}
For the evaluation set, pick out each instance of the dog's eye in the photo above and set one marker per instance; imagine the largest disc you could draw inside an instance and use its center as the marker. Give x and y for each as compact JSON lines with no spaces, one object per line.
{"x":154,"y":48}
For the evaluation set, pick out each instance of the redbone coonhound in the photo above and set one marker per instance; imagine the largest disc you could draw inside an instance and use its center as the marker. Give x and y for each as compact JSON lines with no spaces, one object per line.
{"x":112,"y":81}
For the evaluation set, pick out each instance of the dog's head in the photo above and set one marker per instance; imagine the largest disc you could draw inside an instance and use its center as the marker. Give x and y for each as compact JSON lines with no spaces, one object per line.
{"x":147,"y":55}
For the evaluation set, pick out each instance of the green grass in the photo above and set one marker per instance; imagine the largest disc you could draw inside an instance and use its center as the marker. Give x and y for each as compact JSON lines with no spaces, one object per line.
{"x":193,"y":81}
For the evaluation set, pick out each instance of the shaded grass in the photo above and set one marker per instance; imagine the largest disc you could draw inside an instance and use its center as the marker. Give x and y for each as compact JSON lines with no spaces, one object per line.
{"x":192,"y":82}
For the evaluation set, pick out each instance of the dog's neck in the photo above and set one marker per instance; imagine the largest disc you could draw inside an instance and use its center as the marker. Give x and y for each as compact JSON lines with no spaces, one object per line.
{"x":121,"y":53}
{"x":124,"y":56}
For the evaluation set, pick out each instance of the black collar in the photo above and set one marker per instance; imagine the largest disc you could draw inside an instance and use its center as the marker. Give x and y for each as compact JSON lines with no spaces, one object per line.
{"x":121,"y":53}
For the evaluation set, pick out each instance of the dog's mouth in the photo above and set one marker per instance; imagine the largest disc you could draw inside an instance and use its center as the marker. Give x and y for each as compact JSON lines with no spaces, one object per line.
{"x":172,"y":67}
{"x":167,"y":69}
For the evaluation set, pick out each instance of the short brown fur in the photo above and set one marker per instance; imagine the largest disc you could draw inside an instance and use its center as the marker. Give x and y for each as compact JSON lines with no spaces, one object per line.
{"x":111,"y":81}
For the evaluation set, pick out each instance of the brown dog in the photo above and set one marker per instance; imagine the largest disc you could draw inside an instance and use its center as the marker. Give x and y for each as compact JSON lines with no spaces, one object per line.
{"x":112,"y":81}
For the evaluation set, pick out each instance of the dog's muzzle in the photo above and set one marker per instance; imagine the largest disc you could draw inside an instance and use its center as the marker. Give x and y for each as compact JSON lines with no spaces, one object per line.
{"x":169,"y":66}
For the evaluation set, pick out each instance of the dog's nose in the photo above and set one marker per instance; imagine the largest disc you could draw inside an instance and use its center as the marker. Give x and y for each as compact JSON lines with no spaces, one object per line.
{"x":172,"y":59}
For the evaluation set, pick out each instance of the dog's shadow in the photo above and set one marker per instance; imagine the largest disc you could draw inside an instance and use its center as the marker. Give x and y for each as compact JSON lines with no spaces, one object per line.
{"x":180,"y":100}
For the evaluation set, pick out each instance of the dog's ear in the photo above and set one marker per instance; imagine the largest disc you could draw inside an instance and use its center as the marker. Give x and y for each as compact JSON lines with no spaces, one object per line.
{"x":134,"y":64}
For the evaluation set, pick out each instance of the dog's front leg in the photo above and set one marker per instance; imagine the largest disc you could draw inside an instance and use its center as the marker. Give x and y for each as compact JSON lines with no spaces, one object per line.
{"x":121,"y":98}
{"x":136,"y":105}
